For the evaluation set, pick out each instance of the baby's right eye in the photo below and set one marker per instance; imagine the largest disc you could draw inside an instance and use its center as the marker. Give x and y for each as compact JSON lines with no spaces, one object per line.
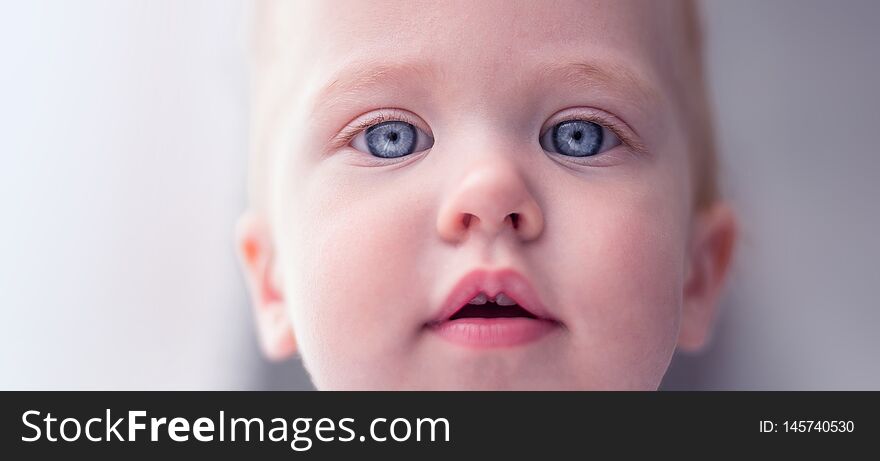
{"x":392,"y":139}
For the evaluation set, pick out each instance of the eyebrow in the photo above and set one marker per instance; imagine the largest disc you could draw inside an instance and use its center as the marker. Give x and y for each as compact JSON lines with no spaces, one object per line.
{"x":607,"y":75}
{"x":358,"y":77}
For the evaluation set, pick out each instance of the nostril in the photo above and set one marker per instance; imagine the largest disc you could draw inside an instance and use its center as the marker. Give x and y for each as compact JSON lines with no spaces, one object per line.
{"x":514,"y":219}
{"x":469,"y":219}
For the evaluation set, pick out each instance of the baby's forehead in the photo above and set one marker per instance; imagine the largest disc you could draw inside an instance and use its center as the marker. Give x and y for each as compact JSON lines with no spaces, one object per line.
{"x":485,"y":37}
{"x":418,"y":21}
{"x":457,"y":62}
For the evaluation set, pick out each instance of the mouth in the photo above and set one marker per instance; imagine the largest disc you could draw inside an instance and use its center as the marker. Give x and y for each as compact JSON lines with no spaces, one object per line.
{"x":484,"y":307}
{"x":492,"y":309}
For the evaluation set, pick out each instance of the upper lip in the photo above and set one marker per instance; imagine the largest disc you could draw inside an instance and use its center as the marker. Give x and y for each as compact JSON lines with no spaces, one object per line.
{"x":492,"y":282}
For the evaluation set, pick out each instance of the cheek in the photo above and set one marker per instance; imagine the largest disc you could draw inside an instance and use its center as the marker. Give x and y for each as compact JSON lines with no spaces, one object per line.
{"x":350,"y":258}
{"x":621,"y":279}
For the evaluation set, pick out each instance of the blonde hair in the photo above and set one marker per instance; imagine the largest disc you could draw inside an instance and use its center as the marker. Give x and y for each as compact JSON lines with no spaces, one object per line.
{"x":698,"y":111}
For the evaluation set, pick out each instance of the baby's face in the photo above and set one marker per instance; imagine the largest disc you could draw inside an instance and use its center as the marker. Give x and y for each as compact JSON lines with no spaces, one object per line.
{"x":429,"y":154}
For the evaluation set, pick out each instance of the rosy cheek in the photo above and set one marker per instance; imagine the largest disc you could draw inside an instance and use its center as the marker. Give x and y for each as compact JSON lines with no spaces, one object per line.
{"x":359,"y":259}
{"x":621,"y":284}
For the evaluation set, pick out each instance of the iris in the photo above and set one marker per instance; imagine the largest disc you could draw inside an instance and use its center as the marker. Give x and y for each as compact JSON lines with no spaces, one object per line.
{"x":391,"y":139}
{"x":577,"y":138}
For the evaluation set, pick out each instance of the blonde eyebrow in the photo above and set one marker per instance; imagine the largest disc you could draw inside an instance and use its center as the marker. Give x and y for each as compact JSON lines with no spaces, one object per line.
{"x":361,"y":76}
{"x":611,"y":76}
{"x":355,"y":78}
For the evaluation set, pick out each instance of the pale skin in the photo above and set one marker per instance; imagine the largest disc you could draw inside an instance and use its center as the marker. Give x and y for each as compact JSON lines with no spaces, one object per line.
{"x":350,"y":255}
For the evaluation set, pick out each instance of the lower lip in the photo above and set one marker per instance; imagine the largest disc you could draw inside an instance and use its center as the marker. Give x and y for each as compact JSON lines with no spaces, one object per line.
{"x":494,"y":332}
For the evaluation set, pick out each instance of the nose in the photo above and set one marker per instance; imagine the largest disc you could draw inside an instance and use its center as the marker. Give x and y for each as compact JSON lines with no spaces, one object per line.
{"x":491,"y":198}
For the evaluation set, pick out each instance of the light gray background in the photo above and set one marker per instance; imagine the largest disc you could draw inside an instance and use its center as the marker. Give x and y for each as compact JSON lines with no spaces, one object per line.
{"x":123,"y":141}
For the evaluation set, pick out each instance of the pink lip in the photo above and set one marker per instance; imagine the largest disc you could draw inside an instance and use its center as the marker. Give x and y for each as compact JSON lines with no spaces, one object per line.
{"x":499,"y":331}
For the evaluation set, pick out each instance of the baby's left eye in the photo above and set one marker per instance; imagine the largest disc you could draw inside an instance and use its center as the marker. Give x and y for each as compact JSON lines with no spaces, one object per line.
{"x":578,"y":138}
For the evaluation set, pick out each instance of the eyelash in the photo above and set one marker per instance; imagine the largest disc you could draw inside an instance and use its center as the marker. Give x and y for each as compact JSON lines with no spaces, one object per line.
{"x":348,"y":133}
{"x":612,"y":123}
{"x":615,"y":125}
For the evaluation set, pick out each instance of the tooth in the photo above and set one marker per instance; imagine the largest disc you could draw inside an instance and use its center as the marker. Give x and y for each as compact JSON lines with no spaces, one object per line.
{"x":479,"y":299}
{"x":504,"y":300}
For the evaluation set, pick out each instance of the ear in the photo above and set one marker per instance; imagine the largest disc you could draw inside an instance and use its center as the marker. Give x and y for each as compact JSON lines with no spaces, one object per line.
{"x":711,"y":250}
{"x":257,"y":258}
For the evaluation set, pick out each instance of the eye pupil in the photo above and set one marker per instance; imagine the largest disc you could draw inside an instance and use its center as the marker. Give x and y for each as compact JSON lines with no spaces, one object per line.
{"x":392,"y":137}
{"x":577,"y":135}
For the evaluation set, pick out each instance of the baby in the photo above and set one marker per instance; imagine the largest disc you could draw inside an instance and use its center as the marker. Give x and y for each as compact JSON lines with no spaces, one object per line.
{"x":482,"y":194}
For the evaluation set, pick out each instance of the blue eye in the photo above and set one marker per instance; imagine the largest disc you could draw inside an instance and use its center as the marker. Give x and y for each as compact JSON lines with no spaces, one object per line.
{"x":392,"y":139}
{"x":578,"y":138}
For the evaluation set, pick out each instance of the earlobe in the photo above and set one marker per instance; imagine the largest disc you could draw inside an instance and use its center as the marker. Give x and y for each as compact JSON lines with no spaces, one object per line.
{"x":711,"y":253}
{"x":257,"y":258}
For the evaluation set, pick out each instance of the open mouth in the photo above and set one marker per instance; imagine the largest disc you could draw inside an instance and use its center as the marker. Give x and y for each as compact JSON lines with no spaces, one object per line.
{"x":482,"y":307}
{"x":493,"y":309}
